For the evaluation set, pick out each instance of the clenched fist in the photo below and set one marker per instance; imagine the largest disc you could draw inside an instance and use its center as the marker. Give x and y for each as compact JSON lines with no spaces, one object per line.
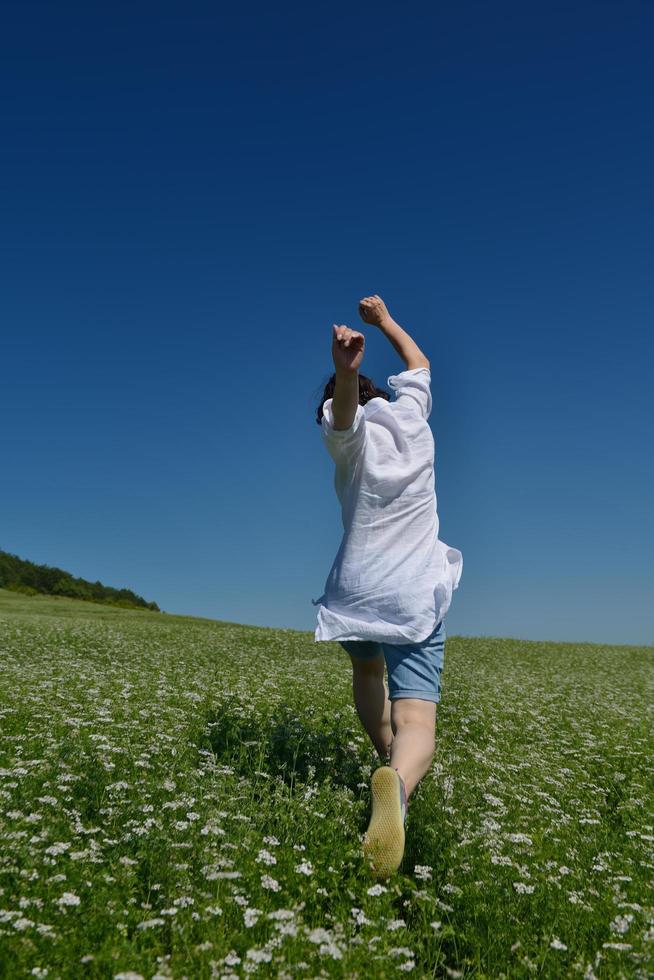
{"x":347,"y":348}
{"x":372,"y":309}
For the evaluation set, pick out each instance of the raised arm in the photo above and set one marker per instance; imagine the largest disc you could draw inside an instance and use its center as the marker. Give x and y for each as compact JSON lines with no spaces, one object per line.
{"x":347,"y":351}
{"x":372,"y":309}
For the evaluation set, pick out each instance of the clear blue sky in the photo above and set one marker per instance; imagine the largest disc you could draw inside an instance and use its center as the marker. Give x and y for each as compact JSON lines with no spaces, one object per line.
{"x":193,"y":195}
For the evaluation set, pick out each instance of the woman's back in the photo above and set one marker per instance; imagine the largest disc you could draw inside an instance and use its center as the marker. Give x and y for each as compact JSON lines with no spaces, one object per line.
{"x":392,"y":579}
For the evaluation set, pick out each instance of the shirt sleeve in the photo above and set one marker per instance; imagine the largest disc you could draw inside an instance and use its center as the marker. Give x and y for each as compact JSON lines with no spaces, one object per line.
{"x":343,"y":445}
{"x":413,"y":390}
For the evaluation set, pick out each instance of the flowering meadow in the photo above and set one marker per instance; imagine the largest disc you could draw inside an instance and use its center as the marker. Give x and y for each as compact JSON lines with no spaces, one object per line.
{"x":186,"y":798}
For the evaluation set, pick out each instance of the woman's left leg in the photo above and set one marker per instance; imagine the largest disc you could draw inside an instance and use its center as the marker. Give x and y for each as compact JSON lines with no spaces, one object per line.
{"x":371,"y":701}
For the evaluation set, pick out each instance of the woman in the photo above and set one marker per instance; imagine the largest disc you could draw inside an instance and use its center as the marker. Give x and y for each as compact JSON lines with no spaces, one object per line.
{"x":391,"y":582}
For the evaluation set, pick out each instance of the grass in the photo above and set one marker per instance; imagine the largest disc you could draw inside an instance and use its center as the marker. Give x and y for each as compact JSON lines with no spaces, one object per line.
{"x":182,"y":797}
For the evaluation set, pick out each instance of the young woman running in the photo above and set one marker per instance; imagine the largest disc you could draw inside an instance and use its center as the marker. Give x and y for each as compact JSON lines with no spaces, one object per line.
{"x":392,"y":579}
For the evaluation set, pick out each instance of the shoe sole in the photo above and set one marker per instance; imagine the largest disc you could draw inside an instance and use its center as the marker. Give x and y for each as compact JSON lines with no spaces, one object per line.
{"x":383,"y":841}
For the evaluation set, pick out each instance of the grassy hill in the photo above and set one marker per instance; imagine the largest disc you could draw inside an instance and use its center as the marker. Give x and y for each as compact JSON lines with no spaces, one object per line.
{"x":186,"y":797}
{"x":20,"y":575}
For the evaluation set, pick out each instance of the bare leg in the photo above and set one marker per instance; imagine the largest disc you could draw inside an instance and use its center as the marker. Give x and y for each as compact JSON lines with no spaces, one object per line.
{"x":413,"y":723}
{"x":371,"y":701}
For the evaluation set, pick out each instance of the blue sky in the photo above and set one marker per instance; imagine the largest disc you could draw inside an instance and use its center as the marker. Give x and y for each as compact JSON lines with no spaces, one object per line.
{"x":193,"y":195}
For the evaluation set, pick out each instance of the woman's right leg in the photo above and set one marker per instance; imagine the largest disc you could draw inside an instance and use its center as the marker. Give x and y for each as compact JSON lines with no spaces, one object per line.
{"x":414,"y":744}
{"x":414,"y":682}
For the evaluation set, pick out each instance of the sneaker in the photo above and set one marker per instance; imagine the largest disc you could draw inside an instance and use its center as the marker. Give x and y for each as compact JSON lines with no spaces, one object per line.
{"x":383,"y":841}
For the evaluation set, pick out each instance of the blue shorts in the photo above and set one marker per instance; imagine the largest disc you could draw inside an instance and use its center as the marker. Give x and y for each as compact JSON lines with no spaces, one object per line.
{"x":414,"y":669}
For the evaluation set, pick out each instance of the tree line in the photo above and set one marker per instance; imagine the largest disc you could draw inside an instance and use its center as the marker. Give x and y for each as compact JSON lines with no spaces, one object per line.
{"x":24,"y":576}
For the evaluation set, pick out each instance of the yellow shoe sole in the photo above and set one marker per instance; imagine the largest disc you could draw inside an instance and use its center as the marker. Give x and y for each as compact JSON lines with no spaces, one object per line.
{"x":383,"y":841}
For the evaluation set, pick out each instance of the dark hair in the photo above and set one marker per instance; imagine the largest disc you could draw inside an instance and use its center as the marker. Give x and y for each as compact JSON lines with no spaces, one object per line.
{"x":367,"y":390}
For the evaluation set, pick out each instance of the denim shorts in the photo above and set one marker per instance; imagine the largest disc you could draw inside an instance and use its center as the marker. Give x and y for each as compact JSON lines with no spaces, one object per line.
{"x":414,"y":669}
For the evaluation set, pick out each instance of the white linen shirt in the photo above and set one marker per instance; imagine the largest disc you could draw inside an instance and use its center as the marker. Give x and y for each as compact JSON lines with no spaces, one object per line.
{"x":392,"y":578}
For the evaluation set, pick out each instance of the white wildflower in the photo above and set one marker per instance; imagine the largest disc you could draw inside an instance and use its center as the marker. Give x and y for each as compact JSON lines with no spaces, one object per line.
{"x":377,"y":890}
{"x":150,"y":923}
{"x":501,"y":859}
{"x":251,"y":917}
{"x":68,"y":898}
{"x":493,"y":800}
{"x":331,"y":949}
{"x":519,"y":838}
{"x":422,"y":871}
{"x":259,"y":955}
{"x":621,"y":923}
{"x":22,"y":924}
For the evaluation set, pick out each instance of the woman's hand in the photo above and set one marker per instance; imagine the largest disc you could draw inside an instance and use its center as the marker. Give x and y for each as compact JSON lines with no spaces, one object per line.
{"x":372,"y":309}
{"x":347,"y":348}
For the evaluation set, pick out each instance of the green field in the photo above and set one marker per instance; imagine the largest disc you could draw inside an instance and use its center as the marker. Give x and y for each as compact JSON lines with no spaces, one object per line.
{"x":184,"y":797}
